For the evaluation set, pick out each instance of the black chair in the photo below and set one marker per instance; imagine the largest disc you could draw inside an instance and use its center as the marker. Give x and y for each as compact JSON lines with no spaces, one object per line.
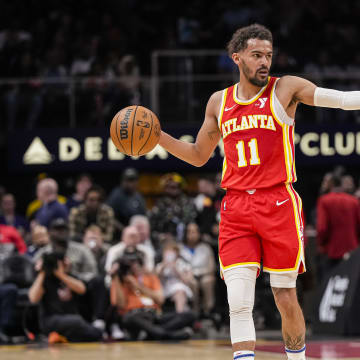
{"x":19,"y":270}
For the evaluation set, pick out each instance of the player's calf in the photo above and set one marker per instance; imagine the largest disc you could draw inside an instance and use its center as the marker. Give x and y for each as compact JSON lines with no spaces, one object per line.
{"x":293,"y":324}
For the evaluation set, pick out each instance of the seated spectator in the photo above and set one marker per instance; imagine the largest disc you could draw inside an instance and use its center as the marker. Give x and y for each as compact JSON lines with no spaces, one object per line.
{"x":138,"y":297}
{"x":125,"y":199}
{"x":36,"y":204}
{"x":11,"y":241}
{"x":93,"y":239}
{"x":39,"y":239}
{"x":83,"y":264}
{"x":142,"y":224}
{"x":47,"y":193}
{"x":83,"y":59}
{"x":10,"y":217}
{"x":207,"y":210}
{"x":8,"y":295}
{"x":201,"y":258}
{"x":130,"y":238}
{"x":98,"y":301}
{"x":172,"y":210}
{"x":92,"y":212}
{"x":57,"y":291}
{"x":176,"y":277}
{"x":83,"y":183}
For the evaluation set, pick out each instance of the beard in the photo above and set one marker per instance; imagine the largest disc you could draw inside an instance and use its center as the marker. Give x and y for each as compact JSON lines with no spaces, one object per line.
{"x":253,"y":80}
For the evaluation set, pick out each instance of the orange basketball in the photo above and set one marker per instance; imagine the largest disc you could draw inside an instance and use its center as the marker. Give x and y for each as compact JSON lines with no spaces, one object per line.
{"x":135,"y":130}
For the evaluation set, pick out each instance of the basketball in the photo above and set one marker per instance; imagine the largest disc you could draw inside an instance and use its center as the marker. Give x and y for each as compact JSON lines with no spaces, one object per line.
{"x":135,"y":130}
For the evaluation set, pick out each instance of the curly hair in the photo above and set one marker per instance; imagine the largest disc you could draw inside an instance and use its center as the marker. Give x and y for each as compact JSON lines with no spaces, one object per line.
{"x":239,"y":40}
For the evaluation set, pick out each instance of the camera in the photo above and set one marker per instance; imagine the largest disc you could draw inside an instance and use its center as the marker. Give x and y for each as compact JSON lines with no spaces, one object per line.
{"x":50,"y":261}
{"x":129,"y":256}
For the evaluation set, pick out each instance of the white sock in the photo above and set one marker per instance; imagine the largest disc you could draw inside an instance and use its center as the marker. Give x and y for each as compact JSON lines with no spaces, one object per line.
{"x":296,"y":354}
{"x":244,"y":355}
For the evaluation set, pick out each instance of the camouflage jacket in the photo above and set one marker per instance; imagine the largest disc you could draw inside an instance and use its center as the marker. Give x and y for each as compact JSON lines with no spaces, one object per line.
{"x":168,"y":214}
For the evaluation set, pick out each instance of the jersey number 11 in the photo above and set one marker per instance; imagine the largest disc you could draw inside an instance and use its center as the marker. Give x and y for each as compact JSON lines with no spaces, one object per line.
{"x":254,"y":153}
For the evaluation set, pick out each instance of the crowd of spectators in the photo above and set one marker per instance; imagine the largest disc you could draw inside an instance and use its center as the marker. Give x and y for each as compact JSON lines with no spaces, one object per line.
{"x":99,"y":42}
{"x":106,"y":266}
{"x":95,"y":267}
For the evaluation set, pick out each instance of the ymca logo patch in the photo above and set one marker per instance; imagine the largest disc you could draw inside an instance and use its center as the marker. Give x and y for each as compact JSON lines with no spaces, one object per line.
{"x":262,"y":103}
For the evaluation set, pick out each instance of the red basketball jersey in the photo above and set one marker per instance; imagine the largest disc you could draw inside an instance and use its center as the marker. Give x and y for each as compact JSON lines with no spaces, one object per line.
{"x":258,"y":140}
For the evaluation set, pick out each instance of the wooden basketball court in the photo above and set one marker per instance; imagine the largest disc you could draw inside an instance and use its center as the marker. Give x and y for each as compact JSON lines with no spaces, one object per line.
{"x":187,"y":350}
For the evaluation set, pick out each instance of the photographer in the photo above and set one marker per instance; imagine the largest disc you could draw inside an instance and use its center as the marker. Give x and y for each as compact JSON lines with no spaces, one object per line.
{"x":57,"y":292}
{"x":83,"y":266}
{"x":138,"y":296}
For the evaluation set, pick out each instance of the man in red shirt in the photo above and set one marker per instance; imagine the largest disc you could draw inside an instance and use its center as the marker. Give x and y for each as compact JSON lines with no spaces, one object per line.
{"x":11,"y":238}
{"x":338,"y":224}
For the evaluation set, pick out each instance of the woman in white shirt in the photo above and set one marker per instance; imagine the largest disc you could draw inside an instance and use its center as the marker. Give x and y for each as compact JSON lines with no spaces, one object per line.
{"x":176,"y":277}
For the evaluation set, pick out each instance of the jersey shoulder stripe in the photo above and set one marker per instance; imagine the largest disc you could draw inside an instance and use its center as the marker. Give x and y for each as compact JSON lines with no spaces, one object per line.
{"x":222,"y":106}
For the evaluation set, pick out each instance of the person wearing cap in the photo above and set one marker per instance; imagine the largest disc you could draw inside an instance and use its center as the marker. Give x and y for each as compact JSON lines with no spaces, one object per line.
{"x":125,"y":199}
{"x":83,"y":263}
{"x":172,"y":210}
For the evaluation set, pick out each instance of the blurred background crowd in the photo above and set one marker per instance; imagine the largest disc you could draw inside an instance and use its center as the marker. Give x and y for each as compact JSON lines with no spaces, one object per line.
{"x":132,"y":255}
{"x":91,"y":265}
{"x":91,"y":58}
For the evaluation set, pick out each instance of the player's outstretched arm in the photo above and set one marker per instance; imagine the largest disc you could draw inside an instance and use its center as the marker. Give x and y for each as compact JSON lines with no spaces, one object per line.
{"x":304,"y":91}
{"x":197,"y":153}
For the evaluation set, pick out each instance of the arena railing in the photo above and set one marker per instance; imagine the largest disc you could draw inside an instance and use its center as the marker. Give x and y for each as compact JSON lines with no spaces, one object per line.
{"x":177,"y":90}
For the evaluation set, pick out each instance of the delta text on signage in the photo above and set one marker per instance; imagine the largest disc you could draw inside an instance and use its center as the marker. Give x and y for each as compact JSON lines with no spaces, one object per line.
{"x":64,"y":149}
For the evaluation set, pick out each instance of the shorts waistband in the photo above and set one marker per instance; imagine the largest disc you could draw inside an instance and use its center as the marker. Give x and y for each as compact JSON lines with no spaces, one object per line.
{"x":254,"y":191}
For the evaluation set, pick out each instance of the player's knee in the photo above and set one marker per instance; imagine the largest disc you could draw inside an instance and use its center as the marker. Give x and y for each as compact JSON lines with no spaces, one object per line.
{"x":285,"y":300}
{"x":240,"y":284}
{"x":240,"y":303}
{"x":239,"y":307}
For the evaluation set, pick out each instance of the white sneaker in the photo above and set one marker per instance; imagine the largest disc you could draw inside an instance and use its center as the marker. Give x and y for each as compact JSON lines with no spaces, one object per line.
{"x":99,"y":324}
{"x":116,"y":332}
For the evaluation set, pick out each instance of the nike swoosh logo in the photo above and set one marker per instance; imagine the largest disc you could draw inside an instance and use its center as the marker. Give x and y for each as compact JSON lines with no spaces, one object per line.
{"x":282,"y":202}
{"x":227,"y":109}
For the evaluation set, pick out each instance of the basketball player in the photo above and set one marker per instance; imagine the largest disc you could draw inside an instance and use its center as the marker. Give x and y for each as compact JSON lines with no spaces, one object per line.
{"x":261,"y":214}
